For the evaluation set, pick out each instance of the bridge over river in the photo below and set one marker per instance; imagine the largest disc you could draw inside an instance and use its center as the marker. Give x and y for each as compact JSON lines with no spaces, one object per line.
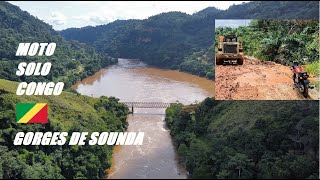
{"x":140,"y":86}
{"x":158,"y":105}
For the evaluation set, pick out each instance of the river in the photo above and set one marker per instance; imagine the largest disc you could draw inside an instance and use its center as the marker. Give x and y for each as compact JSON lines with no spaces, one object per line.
{"x":132,"y":80}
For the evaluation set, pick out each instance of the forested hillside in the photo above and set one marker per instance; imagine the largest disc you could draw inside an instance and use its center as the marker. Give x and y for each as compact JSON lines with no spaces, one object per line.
{"x":247,"y":139}
{"x":67,"y":113}
{"x":162,"y":40}
{"x":170,"y":40}
{"x":72,"y":60}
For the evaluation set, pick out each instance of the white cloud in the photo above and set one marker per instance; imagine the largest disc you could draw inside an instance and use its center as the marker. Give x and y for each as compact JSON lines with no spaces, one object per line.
{"x":83,"y":13}
{"x":99,"y":19}
{"x":57,"y":18}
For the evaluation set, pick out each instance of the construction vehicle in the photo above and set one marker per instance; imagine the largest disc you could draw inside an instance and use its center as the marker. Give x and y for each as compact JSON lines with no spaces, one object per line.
{"x":230,"y":50}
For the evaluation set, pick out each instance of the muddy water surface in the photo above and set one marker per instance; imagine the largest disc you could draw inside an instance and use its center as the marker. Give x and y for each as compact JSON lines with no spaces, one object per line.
{"x":132,"y":80}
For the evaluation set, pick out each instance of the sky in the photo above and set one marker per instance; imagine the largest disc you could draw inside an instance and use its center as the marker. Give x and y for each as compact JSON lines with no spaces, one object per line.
{"x":233,"y":23}
{"x":66,"y":14}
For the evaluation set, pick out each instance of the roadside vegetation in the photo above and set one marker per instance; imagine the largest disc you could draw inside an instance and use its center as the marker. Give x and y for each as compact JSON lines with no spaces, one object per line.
{"x":282,"y":41}
{"x":313,"y":68}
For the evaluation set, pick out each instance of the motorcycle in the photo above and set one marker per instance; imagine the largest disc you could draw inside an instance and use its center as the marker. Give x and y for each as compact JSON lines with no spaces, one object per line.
{"x":300,"y":79}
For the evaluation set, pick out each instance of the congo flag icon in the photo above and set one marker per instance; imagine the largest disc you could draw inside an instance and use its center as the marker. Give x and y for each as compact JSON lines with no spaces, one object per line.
{"x":36,"y":113}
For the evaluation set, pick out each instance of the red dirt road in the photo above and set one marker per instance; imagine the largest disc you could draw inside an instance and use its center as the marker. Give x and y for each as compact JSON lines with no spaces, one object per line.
{"x":255,"y":80}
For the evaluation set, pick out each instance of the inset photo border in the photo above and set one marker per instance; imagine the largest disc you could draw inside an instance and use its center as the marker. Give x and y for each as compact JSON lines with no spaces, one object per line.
{"x":263,"y":59}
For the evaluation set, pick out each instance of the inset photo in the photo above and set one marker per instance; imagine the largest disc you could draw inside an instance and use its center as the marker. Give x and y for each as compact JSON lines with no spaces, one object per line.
{"x":266,"y":59}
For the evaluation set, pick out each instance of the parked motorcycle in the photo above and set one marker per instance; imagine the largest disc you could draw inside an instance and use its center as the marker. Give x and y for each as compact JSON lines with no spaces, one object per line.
{"x":300,"y":79}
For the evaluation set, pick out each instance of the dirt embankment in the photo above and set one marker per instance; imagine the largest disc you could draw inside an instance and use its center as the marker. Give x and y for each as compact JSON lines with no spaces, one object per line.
{"x":256,"y":80}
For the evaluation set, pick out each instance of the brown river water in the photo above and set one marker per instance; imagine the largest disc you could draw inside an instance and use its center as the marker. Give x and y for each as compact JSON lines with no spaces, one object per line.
{"x":132,"y":80}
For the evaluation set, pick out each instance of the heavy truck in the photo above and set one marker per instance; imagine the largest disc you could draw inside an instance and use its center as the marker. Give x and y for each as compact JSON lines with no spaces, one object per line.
{"x":230,"y":50}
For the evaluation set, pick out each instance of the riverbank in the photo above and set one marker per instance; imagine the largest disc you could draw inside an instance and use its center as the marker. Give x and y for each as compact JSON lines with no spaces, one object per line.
{"x":132,"y":80}
{"x":67,"y":112}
